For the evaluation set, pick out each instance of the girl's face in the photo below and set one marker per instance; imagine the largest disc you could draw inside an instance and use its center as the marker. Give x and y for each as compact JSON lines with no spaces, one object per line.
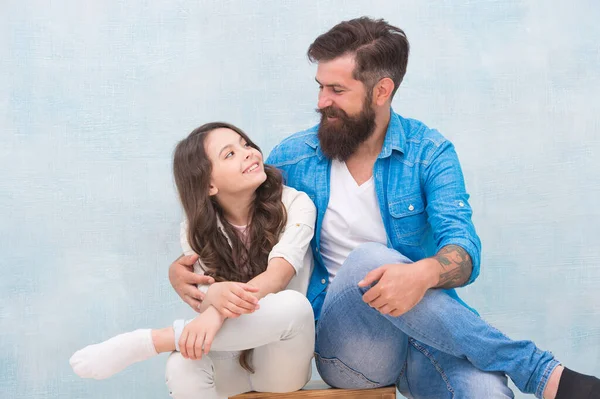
{"x":236,"y":166}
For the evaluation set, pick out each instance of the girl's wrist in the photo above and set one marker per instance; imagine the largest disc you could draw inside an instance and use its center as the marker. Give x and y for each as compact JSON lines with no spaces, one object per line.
{"x":221,"y":315}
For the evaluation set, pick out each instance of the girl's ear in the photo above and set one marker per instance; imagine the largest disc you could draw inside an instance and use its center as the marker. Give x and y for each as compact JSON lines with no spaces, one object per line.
{"x":212,"y":190}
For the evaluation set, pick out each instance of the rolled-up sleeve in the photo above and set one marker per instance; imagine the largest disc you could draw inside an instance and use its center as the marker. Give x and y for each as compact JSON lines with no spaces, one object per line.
{"x":448,"y":209}
{"x":295,"y":239}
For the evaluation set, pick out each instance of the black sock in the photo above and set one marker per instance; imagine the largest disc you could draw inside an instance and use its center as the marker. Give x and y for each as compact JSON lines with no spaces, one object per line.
{"x":573,"y":385}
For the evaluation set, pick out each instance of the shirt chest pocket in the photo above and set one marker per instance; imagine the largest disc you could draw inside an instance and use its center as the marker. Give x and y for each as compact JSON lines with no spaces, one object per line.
{"x":408,"y":219}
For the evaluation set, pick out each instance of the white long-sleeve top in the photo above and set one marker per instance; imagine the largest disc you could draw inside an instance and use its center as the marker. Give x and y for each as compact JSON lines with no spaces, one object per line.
{"x":293,"y":244}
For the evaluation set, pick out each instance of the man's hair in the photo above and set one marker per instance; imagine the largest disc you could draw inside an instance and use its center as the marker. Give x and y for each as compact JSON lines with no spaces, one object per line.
{"x":380,"y":49}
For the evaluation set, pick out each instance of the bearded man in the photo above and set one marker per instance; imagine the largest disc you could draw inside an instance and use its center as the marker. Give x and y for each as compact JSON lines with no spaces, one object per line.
{"x":393,"y":239}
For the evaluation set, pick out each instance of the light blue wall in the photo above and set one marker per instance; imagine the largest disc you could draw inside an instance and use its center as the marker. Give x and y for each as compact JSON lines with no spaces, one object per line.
{"x":94,"y":95}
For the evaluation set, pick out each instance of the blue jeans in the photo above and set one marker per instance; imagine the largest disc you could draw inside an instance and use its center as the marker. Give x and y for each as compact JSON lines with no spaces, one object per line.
{"x":439,"y":349}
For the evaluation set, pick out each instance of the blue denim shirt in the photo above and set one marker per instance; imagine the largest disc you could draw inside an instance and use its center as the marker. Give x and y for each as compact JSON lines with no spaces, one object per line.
{"x":419,"y":185}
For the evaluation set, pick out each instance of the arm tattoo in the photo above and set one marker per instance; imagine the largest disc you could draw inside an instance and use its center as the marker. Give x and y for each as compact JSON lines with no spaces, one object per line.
{"x":456,"y":266}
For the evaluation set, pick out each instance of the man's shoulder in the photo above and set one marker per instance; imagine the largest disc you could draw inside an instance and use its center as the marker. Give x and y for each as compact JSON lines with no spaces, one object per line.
{"x":295,"y":147}
{"x":419,"y":133}
{"x":422,"y":141}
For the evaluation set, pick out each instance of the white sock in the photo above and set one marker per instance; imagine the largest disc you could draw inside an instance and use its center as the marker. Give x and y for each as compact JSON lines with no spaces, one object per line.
{"x":102,"y":360}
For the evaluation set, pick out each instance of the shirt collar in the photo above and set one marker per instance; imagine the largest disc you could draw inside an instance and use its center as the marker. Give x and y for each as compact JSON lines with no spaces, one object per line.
{"x":222,"y":228}
{"x":313,"y":141}
{"x":395,"y":137}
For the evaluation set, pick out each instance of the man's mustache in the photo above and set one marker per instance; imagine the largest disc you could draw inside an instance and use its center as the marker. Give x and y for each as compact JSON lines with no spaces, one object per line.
{"x":332,"y":112}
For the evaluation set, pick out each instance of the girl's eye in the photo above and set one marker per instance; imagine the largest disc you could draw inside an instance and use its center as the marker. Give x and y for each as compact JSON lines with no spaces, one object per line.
{"x":247,"y":145}
{"x":229,"y":154}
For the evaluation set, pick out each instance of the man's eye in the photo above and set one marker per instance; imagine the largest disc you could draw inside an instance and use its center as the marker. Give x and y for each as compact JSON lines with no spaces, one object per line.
{"x":337,"y":91}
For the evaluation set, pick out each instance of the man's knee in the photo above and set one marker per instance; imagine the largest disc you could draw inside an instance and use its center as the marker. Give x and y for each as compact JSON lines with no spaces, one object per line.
{"x":367,"y":251}
{"x":367,"y":257}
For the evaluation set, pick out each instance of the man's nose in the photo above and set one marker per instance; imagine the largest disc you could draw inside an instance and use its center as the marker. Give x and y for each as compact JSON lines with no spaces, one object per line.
{"x":324,"y":101}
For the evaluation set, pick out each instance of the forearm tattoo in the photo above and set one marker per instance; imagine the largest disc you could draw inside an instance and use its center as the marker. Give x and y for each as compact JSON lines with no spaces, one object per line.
{"x":456,"y":266}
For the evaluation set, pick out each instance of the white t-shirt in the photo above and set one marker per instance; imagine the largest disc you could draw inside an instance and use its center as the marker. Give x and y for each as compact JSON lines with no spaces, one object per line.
{"x":294,"y":240}
{"x":352,"y":218}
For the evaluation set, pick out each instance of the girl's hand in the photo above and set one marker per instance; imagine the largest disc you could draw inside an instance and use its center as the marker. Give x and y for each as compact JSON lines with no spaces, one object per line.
{"x":232,"y":299}
{"x":198,"y":335}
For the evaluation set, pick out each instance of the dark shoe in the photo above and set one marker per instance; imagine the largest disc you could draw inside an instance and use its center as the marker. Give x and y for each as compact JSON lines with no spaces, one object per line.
{"x":574,"y":385}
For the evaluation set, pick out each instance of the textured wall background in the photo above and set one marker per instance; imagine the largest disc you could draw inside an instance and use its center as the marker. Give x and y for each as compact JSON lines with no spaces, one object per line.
{"x":94,"y":95}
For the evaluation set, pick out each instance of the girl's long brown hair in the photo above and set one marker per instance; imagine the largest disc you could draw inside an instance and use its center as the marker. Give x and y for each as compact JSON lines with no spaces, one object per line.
{"x":236,"y":262}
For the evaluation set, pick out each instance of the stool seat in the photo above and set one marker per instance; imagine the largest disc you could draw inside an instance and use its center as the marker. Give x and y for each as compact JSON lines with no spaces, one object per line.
{"x":318,"y":389}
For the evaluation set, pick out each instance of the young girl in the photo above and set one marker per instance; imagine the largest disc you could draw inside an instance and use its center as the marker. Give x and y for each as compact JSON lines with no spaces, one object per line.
{"x":251,"y":234}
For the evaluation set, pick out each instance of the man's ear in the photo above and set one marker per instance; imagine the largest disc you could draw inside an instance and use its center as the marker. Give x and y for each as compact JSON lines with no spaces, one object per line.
{"x":382,"y":92}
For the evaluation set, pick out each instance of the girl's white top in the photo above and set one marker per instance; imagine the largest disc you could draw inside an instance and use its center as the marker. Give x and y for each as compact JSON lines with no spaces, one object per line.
{"x":294,"y":240}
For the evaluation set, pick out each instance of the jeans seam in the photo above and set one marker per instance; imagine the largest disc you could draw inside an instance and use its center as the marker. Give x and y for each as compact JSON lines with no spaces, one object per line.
{"x":357,"y":373}
{"x":439,"y":369}
{"x":442,"y":347}
{"x":499,"y":332}
{"x":402,"y":371}
{"x":545,"y":376}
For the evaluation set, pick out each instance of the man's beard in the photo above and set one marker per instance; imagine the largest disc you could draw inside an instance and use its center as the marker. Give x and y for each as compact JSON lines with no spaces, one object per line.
{"x":341,"y":138}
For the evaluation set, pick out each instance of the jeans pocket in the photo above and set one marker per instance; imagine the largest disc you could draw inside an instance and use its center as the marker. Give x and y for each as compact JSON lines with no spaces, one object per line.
{"x":337,"y":374}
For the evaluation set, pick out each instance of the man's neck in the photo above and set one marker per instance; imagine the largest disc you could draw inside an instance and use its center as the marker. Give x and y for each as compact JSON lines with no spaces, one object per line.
{"x":360,"y":164}
{"x":371,"y":148}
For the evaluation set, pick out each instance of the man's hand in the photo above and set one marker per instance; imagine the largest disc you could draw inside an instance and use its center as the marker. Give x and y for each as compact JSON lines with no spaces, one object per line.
{"x":232,"y":299}
{"x":185,"y":281}
{"x":399,"y":287}
{"x":198,"y":335}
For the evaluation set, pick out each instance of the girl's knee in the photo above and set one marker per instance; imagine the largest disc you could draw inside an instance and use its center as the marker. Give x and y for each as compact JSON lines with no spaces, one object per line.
{"x":289,"y":304}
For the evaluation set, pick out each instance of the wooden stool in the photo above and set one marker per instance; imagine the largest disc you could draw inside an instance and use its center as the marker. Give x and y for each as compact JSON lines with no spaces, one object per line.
{"x":318,"y":389}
